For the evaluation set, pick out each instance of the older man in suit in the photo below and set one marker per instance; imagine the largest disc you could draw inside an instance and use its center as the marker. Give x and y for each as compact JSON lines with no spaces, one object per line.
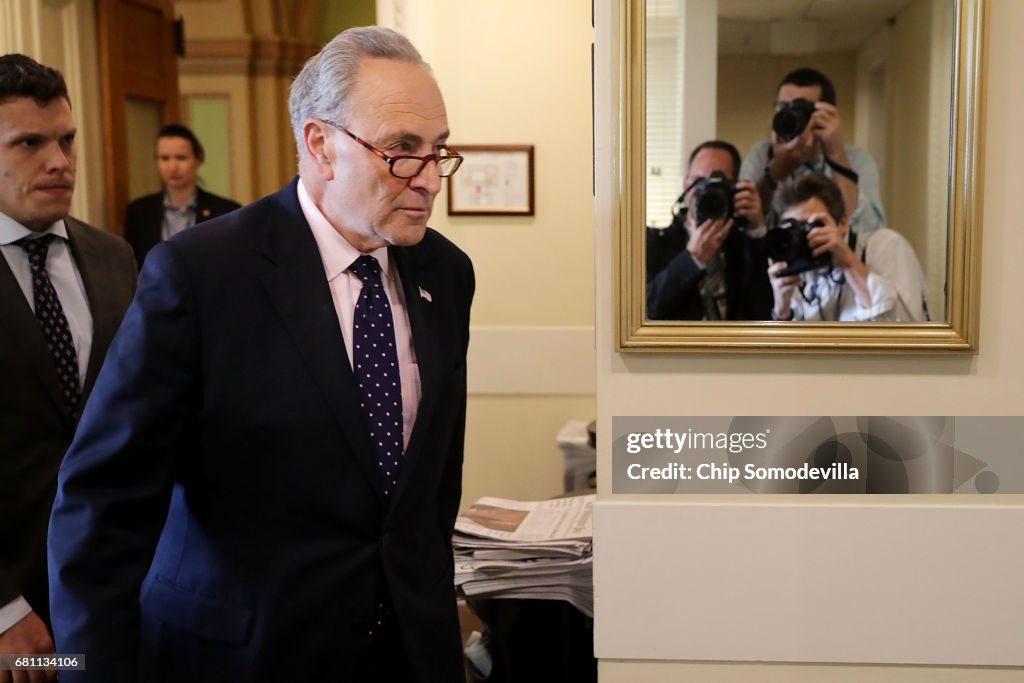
{"x":265,"y":483}
{"x":63,"y":289}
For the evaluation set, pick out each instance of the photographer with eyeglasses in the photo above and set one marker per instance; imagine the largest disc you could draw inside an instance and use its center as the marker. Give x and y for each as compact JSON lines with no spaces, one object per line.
{"x":821,"y":270}
{"x":807,"y":137}
{"x":709,"y":263}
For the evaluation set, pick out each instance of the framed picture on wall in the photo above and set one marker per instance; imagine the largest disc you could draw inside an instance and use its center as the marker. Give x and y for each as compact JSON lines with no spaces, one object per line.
{"x":494,"y":180}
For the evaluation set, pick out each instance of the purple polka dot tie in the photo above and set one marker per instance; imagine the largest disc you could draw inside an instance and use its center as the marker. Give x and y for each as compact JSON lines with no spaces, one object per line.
{"x":50,"y":315}
{"x":375,"y":358}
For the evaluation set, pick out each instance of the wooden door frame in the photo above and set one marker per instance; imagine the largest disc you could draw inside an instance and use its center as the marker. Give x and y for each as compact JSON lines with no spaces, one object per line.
{"x":117,"y":84}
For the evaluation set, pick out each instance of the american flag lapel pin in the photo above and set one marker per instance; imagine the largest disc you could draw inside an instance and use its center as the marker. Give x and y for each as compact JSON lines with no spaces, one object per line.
{"x":424,"y":294}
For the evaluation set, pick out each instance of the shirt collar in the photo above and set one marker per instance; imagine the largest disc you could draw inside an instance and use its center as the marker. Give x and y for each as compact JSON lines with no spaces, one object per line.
{"x":190,"y":205}
{"x":335,"y":251}
{"x":11,"y":230}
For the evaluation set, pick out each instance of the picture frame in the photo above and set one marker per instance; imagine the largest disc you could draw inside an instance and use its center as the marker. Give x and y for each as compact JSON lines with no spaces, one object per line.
{"x":958,"y":333}
{"x":494,"y":180}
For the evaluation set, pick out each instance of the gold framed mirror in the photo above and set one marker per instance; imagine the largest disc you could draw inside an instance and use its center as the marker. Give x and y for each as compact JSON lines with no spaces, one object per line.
{"x":957,"y":332}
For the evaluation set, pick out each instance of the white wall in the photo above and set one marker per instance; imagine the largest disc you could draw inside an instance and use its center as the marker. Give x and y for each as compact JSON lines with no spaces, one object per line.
{"x":518,"y":72}
{"x":919,"y":137}
{"x":698,"y":36}
{"x":707,"y":384}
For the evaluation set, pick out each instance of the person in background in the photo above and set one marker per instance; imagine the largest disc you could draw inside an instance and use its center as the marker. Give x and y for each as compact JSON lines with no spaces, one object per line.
{"x":807,"y":137}
{"x":161,"y":215}
{"x":842,"y":276}
{"x":710,"y":267}
{"x":265,"y":484}
{"x":63,"y":289}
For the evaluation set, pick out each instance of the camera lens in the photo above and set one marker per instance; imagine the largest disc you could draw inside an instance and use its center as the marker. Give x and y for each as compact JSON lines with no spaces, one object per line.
{"x":786,"y":125}
{"x":788,"y":242}
{"x":713,"y":204}
{"x":782,"y":243}
{"x":713,"y":198}
{"x":791,"y":120}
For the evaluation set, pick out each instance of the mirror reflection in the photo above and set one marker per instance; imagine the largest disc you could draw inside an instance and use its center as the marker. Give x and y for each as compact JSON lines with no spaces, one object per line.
{"x":800,"y":170}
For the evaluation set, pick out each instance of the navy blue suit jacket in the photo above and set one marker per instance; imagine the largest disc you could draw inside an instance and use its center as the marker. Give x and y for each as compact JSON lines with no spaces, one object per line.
{"x":220,"y":514}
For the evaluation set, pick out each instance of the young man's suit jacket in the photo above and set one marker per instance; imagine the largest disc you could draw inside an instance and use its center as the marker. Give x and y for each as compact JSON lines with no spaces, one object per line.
{"x":35,"y":426}
{"x":144,"y":218}
{"x":228,"y":408}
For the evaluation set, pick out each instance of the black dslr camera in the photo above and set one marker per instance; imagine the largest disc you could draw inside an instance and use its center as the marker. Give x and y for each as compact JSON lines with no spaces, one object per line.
{"x":713,"y":199}
{"x":788,"y":242}
{"x":792,"y":118}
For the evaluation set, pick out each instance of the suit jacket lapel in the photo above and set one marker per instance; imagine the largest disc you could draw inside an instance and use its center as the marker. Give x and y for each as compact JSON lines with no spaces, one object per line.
{"x":202,"y":209}
{"x":413,"y":264}
{"x":23,"y":328}
{"x":296,"y":283}
{"x":97,"y":283}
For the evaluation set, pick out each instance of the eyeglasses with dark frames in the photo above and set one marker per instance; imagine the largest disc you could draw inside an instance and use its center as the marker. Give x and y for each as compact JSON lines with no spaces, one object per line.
{"x":406,"y":167}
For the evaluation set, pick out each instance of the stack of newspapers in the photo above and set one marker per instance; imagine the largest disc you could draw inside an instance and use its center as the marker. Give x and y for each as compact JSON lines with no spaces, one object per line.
{"x":527,"y":549}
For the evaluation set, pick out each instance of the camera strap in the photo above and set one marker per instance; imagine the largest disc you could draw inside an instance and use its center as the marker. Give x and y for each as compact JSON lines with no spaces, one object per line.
{"x":688,"y":188}
{"x":815,"y":293}
{"x":836,"y":167}
{"x":679,"y":206}
{"x":851,"y":238}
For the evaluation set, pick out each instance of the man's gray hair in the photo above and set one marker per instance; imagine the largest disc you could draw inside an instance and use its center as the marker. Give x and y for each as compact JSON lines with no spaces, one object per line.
{"x":322,"y":88}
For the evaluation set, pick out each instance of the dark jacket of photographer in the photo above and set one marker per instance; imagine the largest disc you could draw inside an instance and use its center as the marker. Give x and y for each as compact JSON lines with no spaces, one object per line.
{"x":674,"y":278}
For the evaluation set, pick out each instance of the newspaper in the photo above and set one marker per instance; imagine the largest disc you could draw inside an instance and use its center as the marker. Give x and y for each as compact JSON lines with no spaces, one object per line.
{"x":527,"y":549}
{"x":559,"y":519}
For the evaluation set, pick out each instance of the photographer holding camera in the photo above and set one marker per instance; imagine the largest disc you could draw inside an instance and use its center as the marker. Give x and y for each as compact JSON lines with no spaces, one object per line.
{"x":709,"y":264}
{"x":807,"y":138}
{"x":822,"y":270}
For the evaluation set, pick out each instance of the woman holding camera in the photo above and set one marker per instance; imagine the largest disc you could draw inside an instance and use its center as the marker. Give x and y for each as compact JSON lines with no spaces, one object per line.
{"x":820,"y":270}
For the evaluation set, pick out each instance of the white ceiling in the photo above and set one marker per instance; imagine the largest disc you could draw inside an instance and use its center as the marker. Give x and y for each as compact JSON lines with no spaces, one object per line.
{"x":841,"y":25}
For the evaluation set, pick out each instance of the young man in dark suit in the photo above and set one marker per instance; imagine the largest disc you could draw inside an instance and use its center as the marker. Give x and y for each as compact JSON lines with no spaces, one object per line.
{"x":63,"y":289}
{"x":265,"y":484}
{"x":155,"y":217}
